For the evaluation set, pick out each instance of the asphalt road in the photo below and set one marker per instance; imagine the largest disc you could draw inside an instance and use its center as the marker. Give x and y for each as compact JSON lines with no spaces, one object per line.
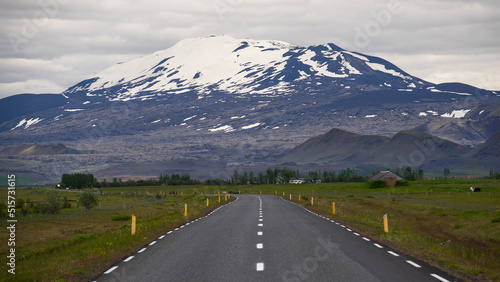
{"x":264,"y":238}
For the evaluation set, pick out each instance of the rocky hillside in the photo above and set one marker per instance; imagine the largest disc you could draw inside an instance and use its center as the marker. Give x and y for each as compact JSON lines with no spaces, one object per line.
{"x":406,"y":148}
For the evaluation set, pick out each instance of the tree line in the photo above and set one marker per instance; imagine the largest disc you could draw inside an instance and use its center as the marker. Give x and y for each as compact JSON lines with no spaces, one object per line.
{"x":275,"y":175}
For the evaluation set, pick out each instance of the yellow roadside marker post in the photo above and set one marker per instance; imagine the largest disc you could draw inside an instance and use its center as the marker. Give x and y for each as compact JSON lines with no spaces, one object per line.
{"x":208,"y":202}
{"x":219,"y":197}
{"x":333,"y":208}
{"x":133,"y":224}
{"x":312,"y":201}
{"x":386,"y":224}
{"x":185,"y":209}
{"x":299,"y":197}
{"x":290,"y":197}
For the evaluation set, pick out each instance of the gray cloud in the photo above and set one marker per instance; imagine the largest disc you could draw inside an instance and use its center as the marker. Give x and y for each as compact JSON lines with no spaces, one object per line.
{"x":49,"y":45}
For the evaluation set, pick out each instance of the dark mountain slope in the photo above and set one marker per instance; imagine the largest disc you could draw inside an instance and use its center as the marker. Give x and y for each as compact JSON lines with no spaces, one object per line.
{"x":405,"y":148}
{"x":25,"y":104}
{"x":489,"y":150}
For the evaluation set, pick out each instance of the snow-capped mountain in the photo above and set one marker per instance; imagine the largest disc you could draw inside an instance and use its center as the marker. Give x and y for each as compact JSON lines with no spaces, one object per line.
{"x":234,"y":101}
{"x":221,"y":84}
{"x":241,"y":66}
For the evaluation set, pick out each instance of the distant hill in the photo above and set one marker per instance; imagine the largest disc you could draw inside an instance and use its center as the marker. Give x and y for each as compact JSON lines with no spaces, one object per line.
{"x":24,"y":104}
{"x":406,"y":148}
{"x":489,"y":150}
{"x":336,"y":145}
{"x":40,"y":149}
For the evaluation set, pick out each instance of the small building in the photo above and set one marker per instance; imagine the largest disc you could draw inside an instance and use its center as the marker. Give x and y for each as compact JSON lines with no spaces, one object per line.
{"x":389,"y":177}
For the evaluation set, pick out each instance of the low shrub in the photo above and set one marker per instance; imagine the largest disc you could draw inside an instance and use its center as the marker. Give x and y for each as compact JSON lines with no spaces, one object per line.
{"x":376,"y":184}
{"x":119,"y":217}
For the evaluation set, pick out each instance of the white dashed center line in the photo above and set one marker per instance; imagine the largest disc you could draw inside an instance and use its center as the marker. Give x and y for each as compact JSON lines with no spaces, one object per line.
{"x":260,"y":225}
{"x":260,"y":266}
{"x":260,"y":246}
{"x":259,"y":233}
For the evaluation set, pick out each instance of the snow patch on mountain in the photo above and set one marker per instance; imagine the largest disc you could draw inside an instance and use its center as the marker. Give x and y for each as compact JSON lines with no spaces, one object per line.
{"x":225,"y":128}
{"x":251,"y":126}
{"x":73,"y":110}
{"x":382,"y":68}
{"x":27,"y":123}
{"x":456,"y":113}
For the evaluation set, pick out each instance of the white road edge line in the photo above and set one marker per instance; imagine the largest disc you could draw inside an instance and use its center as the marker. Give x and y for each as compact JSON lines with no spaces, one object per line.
{"x":161,"y":237}
{"x":439,"y":278}
{"x":111,"y":270}
{"x":414,"y":264}
{"x":152,"y":243}
{"x":129,"y":258}
{"x":393,"y":253}
{"x":366,"y":239}
{"x":141,"y":250}
{"x":378,"y":246}
{"x":260,"y":266}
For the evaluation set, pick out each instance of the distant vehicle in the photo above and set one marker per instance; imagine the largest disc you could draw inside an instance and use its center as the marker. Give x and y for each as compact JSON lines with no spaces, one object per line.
{"x":67,"y":188}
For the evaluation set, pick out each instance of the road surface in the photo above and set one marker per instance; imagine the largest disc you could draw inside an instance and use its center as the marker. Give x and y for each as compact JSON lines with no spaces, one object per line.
{"x":264,"y":238}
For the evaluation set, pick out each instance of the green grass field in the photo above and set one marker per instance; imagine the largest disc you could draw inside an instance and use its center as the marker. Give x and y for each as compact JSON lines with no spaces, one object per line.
{"x":81,"y":246}
{"x":439,"y":221}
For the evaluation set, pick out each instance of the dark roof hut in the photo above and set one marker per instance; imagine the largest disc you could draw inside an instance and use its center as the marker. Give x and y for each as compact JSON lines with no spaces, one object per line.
{"x":389,"y":177}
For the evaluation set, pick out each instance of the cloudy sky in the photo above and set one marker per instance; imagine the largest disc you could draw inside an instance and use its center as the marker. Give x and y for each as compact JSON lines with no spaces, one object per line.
{"x":47,"y":46}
